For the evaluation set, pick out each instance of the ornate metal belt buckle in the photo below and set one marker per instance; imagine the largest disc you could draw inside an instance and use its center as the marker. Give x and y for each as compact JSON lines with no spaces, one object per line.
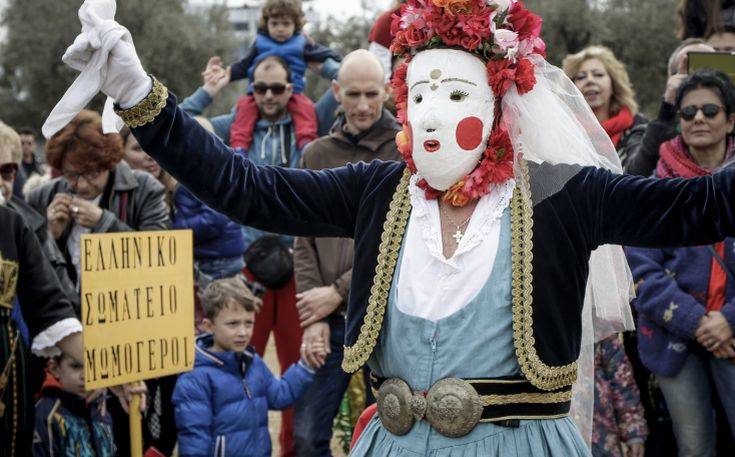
{"x":454,"y":407}
{"x":394,"y":406}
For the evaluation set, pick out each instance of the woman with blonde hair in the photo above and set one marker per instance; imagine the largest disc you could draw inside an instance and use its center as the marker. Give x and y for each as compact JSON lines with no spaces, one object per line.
{"x":604,"y":82}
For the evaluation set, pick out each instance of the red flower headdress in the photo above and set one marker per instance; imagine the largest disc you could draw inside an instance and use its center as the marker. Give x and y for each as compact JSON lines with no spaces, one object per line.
{"x":502,"y":33}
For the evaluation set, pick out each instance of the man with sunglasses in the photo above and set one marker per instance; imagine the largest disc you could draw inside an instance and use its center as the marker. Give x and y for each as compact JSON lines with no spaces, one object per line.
{"x":274,"y":143}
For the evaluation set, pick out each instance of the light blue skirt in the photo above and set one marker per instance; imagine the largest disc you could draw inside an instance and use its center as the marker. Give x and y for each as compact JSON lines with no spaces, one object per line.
{"x":533,"y":438}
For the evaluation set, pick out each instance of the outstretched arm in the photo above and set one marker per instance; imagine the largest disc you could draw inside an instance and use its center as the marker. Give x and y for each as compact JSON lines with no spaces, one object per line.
{"x":650,"y":212}
{"x":280,"y":200}
{"x":294,"y":202}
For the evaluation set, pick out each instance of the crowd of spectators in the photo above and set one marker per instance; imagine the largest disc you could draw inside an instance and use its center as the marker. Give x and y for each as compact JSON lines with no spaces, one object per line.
{"x":668,"y":387}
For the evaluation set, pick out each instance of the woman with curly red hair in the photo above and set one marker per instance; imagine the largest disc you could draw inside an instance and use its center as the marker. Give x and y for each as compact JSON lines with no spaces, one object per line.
{"x":96,"y":192}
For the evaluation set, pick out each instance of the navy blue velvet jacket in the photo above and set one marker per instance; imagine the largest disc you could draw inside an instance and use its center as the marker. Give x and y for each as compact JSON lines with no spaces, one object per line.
{"x":552,"y":239}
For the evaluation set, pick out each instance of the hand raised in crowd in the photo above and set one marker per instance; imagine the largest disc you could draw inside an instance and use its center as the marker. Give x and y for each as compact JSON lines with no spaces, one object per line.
{"x":674,"y":81}
{"x":315,"y":344}
{"x":316,"y":304}
{"x":85,"y":213}
{"x":713,"y":331}
{"x":215,"y":77}
{"x":672,"y":86}
{"x":58,"y":214}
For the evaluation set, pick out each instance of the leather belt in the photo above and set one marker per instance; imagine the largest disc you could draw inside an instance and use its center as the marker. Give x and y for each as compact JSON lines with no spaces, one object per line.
{"x":454,"y":407}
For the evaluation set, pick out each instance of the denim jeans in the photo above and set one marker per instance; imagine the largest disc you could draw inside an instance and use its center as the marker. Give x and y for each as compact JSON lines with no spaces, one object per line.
{"x":689,"y":399}
{"x":316,"y":409}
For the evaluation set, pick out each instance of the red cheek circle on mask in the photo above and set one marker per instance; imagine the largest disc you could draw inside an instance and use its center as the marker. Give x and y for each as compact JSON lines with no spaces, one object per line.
{"x":469,"y":133}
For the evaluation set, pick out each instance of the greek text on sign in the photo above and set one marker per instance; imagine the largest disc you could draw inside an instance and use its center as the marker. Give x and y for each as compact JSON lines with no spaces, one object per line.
{"x":137,"y":306}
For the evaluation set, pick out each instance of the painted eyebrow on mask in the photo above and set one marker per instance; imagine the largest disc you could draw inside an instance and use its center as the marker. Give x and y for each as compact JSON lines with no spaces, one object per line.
{"x":417,"y":83}
{"x":459,"y":80}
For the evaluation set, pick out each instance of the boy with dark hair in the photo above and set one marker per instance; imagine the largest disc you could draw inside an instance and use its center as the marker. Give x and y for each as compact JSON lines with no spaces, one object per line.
{"x":68,"y":420}
{"x":222,"y":405}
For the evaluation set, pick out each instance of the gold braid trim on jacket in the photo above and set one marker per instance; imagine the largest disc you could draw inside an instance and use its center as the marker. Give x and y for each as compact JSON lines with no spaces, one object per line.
{"x":543,"y":376}
{"x":394,"y":227}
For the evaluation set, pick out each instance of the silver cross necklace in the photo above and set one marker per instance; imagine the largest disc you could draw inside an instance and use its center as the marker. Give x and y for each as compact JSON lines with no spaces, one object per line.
{"x":458,"y":234}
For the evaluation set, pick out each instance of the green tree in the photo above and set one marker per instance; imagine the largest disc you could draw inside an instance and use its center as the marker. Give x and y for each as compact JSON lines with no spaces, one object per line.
{"x":173,"y":43}
{"x":642,"y":34}
{"x":342,"y":35}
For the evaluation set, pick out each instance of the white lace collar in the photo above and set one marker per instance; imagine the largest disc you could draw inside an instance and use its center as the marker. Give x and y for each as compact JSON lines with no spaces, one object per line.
{"x":426,"y":214}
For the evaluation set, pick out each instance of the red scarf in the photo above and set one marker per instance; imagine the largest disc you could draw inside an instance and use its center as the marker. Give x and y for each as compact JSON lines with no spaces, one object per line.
{"x":618,"y":124}
{"x":676,"y":162}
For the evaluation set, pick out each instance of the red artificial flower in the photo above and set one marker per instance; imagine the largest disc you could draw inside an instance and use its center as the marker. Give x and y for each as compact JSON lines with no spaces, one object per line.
{"x":456,"y":195}
{"x":452,"y":36}
{"x":470,"y":42}
{"x":501,"y":172}
{"x":501,"y":74}
{"x":525,"y":77}
{"x":452,"y":7}
{"x":415,"y":36}
{"x":398,"y":45}
{"x":478,"y":25}
{"x":500,"y":143}
{"x":525,"y":23}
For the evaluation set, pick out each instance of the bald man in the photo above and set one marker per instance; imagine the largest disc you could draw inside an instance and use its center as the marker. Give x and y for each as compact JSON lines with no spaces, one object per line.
{"x":363,"y":131}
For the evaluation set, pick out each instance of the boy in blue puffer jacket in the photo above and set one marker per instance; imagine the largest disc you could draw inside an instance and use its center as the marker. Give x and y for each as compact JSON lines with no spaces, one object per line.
{"x":221,"y":406}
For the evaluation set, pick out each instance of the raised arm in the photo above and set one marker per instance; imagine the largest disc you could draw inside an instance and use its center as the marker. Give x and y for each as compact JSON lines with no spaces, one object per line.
{"x":275,"y":199}
{"x":650,"y":212}
{"x":292,"y":202}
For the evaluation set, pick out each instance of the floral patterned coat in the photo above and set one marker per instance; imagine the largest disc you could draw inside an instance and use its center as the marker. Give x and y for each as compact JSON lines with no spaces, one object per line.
{"x":618,"y":415}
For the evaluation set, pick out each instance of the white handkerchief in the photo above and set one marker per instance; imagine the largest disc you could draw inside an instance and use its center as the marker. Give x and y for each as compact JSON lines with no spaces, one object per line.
{"x":89,"y":55}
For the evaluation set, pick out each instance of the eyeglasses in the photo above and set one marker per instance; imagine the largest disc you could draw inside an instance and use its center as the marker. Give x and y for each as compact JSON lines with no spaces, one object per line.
{"x":262,"y":88}
{"x":88,"y":176}
{"x":8,"y":171}
{"x":710,"y":110}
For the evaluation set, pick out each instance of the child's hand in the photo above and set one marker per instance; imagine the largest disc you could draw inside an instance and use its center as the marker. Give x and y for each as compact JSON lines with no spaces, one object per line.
{"x":315,"y":346}
{"x":214,"y":63}
{"x":215,"y":77}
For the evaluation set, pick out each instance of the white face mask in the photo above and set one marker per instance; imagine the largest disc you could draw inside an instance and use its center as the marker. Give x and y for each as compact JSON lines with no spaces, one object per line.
{"x":450,"y":111}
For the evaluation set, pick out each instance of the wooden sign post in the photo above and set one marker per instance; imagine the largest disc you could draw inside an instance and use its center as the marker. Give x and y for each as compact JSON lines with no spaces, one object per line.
{"x":137,"y":310}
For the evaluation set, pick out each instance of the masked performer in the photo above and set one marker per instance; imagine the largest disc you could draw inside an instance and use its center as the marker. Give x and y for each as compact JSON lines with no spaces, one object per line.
{"x":476,"y":257}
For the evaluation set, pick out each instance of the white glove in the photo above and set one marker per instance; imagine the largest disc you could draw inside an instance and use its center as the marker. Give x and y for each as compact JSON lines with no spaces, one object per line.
{"x":105,"y":56}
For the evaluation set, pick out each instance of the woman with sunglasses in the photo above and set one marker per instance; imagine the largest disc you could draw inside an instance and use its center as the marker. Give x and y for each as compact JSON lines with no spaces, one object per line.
{"x":686,"y":296}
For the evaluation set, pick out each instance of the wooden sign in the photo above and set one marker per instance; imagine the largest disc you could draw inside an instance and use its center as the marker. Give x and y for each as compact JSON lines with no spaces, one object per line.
{"x":137,"y":301}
